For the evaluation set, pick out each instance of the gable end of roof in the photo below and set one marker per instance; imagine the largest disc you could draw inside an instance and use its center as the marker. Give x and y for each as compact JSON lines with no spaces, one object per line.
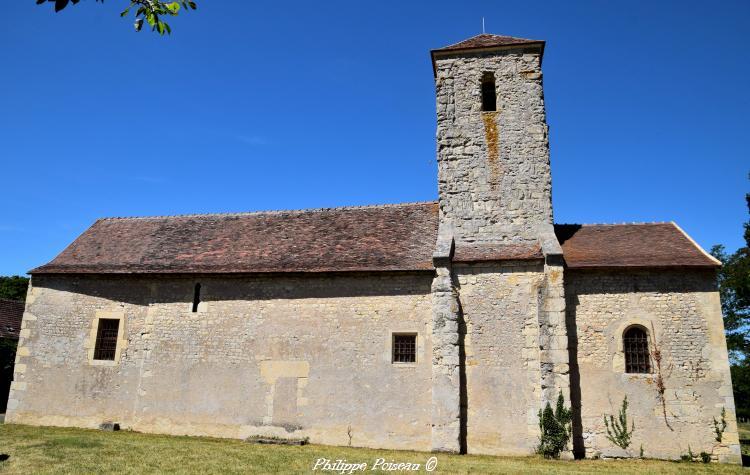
{"x":644,"y":245}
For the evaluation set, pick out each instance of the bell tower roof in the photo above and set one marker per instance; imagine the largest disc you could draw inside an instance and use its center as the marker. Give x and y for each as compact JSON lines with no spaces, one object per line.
{"x":486,"y":41}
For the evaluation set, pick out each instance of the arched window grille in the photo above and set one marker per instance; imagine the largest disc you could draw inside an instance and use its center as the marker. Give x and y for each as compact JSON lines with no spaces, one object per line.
{"x":635,"y":345}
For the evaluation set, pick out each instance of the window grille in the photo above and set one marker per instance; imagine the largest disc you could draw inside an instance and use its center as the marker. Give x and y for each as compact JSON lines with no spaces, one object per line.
{"x":637,"y":357}
{"x":404,"y":348}
{"x":106,"y":339}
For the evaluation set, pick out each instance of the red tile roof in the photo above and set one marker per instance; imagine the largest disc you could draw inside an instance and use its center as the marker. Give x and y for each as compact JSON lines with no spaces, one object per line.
{"x":369,"y":238}
{"x":11,"y":314}
{"x":630,"y":245}
{"x":487,"y":40}
{"x":484,"y":41}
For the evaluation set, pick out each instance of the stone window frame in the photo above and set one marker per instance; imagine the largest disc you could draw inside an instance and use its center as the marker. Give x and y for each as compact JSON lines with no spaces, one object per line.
{"x":653,"y":331}
{"x":122,"y":342}
{"x":488,"y":77}
{"x":418,"y":343}
{"x":649,"y":344}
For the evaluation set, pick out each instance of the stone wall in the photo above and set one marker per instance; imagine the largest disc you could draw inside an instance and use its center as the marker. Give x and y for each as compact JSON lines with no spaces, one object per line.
{"x":501,"y":309}
{"x":280,"y":356}
{"x":682,"y":313}
{"x":493,"y":167}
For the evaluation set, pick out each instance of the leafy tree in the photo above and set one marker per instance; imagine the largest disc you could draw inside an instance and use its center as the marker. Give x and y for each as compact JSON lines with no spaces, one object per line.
{"x":13,"y":288}
{"x":150,"y":11}
{"x":734,"y":286}
{"x":741,"y":386}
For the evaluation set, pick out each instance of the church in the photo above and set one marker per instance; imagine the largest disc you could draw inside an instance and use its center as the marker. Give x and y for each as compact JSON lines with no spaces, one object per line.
{"x":436,"y":326}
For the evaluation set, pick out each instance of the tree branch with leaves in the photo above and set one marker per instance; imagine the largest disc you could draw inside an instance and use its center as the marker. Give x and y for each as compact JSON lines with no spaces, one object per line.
{"x":148,"y":11}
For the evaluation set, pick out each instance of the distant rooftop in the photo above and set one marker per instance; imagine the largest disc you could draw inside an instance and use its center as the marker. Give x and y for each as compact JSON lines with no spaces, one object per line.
{"x":11,"y":314}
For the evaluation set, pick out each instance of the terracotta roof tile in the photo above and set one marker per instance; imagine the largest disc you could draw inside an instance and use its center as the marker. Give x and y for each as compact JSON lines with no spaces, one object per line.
{"x":630,"y":245}
{"x":483,"y":41}
{"x":369,"y":238}
{"x":487,"y":40}
{"x":11,"y":314}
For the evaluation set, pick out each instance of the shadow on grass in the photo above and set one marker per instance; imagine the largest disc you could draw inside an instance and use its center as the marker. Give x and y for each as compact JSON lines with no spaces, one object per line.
{"x":68,"y":443}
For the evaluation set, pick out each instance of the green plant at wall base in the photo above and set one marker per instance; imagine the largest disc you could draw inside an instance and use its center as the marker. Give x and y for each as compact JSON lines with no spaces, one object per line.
{"x":720,"y":427}
{"x":688,"y":457}
{"x":705,"y":457}
{"x":555,"y":429}
{"x":641,"y":454}
{"x":617,"y":429}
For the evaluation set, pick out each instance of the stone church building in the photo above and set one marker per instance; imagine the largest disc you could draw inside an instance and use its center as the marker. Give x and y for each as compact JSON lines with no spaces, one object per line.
{"x":436,"y":326}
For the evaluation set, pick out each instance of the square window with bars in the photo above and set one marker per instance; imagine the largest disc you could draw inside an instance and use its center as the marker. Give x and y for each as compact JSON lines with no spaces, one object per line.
{"x":405,"y":348}
{"x":106,"y":339}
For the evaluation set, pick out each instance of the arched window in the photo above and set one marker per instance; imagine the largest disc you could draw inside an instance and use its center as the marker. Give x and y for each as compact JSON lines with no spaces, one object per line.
{"x":489,"y":95}
{"x":635,"y":345}
{"x":196,"y":297}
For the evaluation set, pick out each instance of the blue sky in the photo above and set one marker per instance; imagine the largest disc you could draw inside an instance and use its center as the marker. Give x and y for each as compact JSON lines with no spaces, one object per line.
{"x":254,"y":105}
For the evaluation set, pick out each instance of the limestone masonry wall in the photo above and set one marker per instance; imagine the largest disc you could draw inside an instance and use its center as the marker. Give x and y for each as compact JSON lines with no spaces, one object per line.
{"x":501,"y":313}
{"x":281,"y":356}
{"x":682,"y":314}
{"x":493,"y":167}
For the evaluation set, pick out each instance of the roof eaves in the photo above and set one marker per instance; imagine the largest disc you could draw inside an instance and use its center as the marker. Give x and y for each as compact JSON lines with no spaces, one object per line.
{"x":459,"y":51}
{"x":621,"y":267}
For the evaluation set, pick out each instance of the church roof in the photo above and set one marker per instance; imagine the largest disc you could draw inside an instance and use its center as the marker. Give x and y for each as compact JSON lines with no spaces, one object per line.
{"x":398,"y":237}
{"x":487,"y":40}
{"x":367,"y":238}
{"x":484,"y":41}
{"x":630,"y":245}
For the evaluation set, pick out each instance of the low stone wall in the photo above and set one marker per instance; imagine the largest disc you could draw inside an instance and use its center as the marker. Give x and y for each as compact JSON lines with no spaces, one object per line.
{"x":682,"y":314}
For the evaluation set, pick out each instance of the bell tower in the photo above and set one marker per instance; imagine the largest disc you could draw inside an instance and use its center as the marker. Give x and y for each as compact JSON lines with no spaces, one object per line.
{"x":492,"y":145}
{"x":495,"y":205}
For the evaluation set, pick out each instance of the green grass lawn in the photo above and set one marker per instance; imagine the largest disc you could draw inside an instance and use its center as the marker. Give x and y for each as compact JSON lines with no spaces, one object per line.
{"x":57,"y":450}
